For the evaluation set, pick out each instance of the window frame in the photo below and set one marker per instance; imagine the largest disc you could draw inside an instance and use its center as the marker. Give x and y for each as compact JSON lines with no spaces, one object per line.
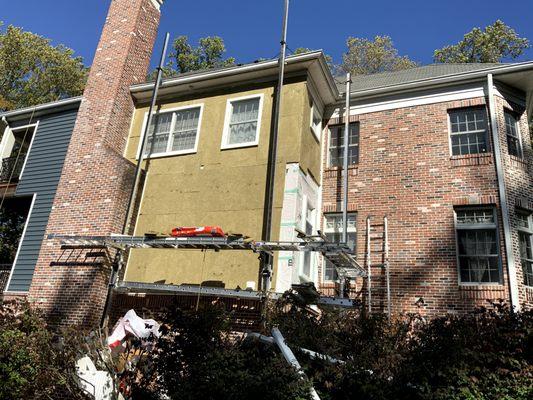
{"x":172,"y":110}
{"x":307,"y":205}
{"x":330,"y":132}
{"x":325,"y":231}
{"x":314,"y":109}
{"x":495,"y":226}
{"x":450,"y":133}
{"x":528,"y":231}
{"x":227,"y":118}
{"x":514,"y":115}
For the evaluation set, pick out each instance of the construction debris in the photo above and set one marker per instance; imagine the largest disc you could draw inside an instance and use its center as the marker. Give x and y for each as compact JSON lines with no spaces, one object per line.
{"x":132,"y":324}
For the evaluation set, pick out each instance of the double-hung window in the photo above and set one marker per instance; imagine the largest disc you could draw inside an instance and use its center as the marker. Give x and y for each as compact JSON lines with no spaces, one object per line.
{"x":243,"y":121}
{"x":477,"y":245}
{"x":174,"y":132}
{"x":468,"y":131}
{"x":333,"y":231}
{"x":336,"y":145}
{"x":525,"y":235}
{"x":513,"y":134}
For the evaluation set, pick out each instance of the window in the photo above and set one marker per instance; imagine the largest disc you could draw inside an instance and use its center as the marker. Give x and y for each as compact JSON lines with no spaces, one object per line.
{"x":477,"y":246}
{"x":336,"y":145}
{"x":308,"y":229}
{"x":525,"y":235}
{"x":333,"y":231}
{"x":513,"y":136}
{"x":174,"y":132}
{"x":468,"y":131}
{"x":243,"y":120}
{"x":316,"y":121}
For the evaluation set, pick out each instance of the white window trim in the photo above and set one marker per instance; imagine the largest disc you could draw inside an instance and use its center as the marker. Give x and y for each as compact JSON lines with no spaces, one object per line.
{"x":19,"y":247}
{"x":166,"y":111}
{"x":9,"y":130}
{"x":312,"y":263}
{"x":450,"y":134}
{"x":227,"y":119}
{"x":325,"y":231}
{"x":314,"y":109}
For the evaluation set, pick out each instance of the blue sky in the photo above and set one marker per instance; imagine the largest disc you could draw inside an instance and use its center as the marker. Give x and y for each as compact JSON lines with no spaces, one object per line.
{"x":251,"y":28}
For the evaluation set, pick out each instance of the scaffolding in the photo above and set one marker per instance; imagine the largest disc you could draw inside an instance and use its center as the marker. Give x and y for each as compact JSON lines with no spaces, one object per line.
{"x":339,"y":255}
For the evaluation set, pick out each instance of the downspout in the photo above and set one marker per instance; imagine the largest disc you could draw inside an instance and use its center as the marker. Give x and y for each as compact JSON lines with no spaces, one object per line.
{"x":511,"y":268}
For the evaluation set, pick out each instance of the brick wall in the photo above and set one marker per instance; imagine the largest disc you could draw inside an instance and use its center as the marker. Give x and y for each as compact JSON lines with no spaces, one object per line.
{"x":406,"y":172}
{"x":93,"y":191}
{"x":518,"y":176}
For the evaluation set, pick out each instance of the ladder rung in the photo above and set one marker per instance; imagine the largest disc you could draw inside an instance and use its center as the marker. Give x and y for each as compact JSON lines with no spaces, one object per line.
{"x":376,"y":225}
{"x":381,"y":265}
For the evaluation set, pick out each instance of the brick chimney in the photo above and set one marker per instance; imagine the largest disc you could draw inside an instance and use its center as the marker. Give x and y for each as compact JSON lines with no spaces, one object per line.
{"x":93,"y":191}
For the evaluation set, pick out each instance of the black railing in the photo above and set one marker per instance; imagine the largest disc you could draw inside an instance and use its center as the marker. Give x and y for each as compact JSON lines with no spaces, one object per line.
{"x":5,"y":270}
{"x":11,"y":168}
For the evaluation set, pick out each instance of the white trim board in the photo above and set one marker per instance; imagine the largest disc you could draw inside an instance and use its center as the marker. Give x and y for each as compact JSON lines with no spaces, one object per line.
{"x":414,"y":101}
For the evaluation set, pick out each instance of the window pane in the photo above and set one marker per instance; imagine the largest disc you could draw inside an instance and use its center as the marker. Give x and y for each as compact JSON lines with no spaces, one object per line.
{"x":336,"y":145}
{"x":243,"y":121}
{"x":475,"y":216}
{"x":469,"y":131}
{"x":186,"y":129}
{"x":522,"y":220}
{"x":161,"y":125}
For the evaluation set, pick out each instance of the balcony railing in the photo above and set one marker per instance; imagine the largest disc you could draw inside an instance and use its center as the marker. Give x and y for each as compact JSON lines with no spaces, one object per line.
{"x":5,"y":270}
{"x":11,"y":168}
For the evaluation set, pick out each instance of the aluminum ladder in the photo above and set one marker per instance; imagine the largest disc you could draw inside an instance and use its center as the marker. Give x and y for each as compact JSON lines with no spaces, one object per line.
{"x":377,"y":265}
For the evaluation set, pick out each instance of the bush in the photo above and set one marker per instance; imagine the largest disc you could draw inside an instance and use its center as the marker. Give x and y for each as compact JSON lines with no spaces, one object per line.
{"x":32,"y":364}
{"x":483,"y":355}
{"x":198,"y":358}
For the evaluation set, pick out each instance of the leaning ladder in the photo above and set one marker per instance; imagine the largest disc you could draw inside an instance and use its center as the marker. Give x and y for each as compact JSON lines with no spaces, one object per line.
{"x":377,"y":244}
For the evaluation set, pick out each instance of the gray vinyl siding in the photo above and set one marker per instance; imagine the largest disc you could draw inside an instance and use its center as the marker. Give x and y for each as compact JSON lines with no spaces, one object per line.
{"x":40,"y":177}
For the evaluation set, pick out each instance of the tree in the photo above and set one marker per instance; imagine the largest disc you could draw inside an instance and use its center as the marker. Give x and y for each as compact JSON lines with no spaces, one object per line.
{"x":11,"y":226}
{"x":207,"y":55}
{"x":366,"y":56}
{"x":492,"y":45}
{"x":32,"y":71}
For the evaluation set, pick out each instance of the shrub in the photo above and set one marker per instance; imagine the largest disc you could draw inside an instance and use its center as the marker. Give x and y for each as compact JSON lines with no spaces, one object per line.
{"x":32,"y":364}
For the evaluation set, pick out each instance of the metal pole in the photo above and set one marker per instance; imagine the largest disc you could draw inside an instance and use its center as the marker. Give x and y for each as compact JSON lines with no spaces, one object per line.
{"x":290,"y":358}
{"x":386,"y":262}
{"x":267,"y":261}
{"x":345,"y":161}
{"x":131,"y":204}
{"x":342,"y":279}
{"x":368,"y":265}
{"x":511,"y":268}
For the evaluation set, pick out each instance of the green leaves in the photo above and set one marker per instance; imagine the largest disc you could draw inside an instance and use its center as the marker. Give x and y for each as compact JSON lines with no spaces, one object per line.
{"x":208,"y":54}
{"x":366,"y":56}
{"x":497,"y":42}
{"x":32,"y":71}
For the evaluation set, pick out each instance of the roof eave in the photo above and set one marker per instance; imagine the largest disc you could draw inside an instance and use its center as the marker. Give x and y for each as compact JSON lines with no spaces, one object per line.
{"x":217,"y":77}
{"x":41,"y":108}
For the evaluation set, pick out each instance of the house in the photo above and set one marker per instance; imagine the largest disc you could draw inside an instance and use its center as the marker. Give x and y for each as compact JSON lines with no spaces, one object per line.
{"x":442,"y":151}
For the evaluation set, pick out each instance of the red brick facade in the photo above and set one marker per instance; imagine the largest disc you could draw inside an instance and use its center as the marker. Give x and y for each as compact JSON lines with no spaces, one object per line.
{"x":93,"y":191}
{"x":406,"y":172}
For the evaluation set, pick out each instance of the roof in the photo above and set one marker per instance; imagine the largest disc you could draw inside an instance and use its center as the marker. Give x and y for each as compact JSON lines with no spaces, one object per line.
{"x":40,"y":109}
{"x":314,"y":62}
{"x":383,"y":79}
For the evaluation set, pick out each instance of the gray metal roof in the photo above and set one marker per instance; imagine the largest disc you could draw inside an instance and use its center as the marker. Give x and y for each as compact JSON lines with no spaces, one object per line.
{"x":384,"y":79}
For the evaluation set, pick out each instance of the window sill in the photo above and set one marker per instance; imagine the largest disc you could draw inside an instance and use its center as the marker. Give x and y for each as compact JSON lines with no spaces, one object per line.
{"x":239,"y":146}
{"x":488,"y":291}
{"x":471,"y":159}
{"x":168,"y":154}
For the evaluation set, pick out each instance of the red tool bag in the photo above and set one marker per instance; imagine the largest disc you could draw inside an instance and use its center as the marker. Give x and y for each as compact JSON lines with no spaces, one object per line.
{"x":193,"y":231}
